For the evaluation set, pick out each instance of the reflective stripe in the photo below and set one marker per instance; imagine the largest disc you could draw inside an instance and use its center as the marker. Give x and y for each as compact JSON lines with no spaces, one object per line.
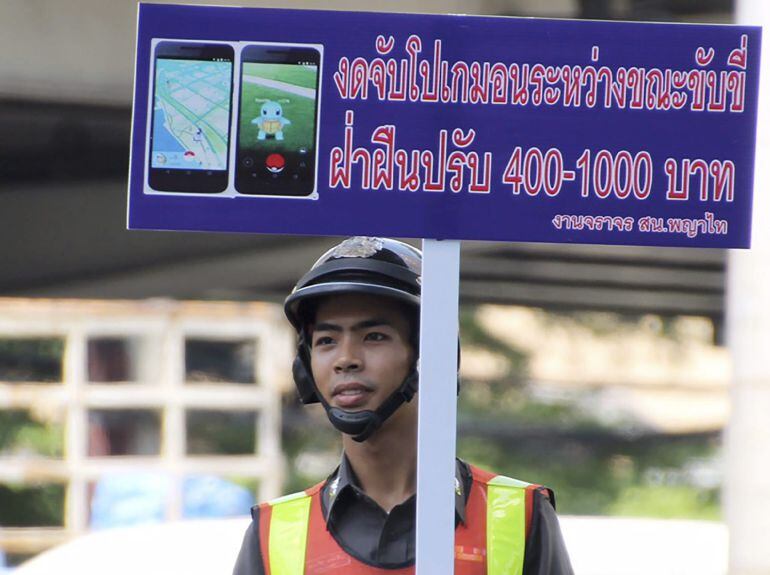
{"x":506,"y":526}
{"x":506,"y":529}
{"x":287,"y":542}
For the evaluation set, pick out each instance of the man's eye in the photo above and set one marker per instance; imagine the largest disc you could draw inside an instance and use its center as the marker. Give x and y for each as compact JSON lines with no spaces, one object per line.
{"x":323,"y":340}
{"x":376,"y":336}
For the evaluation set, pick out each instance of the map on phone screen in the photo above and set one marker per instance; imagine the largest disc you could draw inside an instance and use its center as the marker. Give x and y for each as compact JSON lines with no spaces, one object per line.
{"x":192,"y":114}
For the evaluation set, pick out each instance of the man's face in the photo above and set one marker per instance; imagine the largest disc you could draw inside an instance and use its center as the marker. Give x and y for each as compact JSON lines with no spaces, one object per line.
{"x":360,"y":350}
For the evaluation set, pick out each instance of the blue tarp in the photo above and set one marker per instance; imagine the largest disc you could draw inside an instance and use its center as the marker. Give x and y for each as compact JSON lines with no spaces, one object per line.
{"x":139,"y":498}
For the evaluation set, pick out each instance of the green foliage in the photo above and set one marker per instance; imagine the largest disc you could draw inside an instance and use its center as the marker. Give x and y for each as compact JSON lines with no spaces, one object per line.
{"x":667,"y":502}
{"x":31,"y":359}
{"x":506,"y":404}
{"x":249,"y":483}
{"x":34,"y":360}
{"x":311,"y":434}
{"x":607,"y":480}
{"x":593,"y":467}
{"x":24,"y":506}
{"x":218,"y":432}
{"x":19,"y":432}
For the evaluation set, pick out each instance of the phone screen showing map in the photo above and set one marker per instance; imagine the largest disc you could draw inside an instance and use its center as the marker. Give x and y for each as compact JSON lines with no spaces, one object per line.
{"x":190,"y":132}
{"x":277,"y":120}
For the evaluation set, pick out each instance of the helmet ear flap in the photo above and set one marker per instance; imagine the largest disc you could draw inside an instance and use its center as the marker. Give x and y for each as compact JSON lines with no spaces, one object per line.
{"x":303,"y":376}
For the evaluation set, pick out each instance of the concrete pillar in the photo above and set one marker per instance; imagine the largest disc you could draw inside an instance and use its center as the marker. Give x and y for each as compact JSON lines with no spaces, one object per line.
{"x":747,"y":489}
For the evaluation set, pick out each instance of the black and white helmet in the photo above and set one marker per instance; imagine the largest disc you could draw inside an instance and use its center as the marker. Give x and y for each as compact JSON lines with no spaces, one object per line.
{"x":376,"y":266}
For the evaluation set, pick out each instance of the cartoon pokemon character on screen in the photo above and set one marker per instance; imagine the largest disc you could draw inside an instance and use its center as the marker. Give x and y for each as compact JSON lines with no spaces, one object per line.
{"x":271,"y":120}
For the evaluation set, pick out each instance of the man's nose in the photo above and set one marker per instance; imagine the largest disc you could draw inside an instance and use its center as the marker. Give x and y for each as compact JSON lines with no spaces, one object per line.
{"x":349,"y":358}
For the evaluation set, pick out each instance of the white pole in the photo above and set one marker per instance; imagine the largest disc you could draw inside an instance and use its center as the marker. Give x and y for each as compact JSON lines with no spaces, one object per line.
{"x":437,"y":408}
{"x":747,"y":486}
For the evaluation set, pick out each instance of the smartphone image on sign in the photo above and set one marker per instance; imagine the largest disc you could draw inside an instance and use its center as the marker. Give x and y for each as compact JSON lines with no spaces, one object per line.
{"x":191,"y":107}
{"x":277,"y":120}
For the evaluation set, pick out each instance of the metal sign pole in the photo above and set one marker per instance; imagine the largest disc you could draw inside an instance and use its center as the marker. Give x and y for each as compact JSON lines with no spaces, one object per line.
{"x":437,"y":408}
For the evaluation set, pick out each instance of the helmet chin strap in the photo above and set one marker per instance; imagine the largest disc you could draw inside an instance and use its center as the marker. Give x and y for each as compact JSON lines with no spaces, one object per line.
{"x":362,"y":424}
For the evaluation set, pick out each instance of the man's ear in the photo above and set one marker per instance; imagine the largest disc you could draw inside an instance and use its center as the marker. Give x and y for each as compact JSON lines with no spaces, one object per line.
{"x":302,"y":371}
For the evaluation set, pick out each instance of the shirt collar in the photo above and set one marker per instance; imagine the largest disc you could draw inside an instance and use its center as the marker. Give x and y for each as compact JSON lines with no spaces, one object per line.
{"x":344,"y":479}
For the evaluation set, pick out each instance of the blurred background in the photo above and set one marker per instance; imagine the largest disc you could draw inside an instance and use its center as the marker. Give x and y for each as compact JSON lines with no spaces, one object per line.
{"x":145,"y":376}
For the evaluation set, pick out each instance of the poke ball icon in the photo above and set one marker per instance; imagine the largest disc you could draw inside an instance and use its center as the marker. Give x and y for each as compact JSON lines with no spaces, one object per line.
{"x":275,"y":163}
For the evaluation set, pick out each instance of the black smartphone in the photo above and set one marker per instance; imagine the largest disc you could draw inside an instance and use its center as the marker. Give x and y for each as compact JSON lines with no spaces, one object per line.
{"x":277,"y":120}
{"x":192,"y":96}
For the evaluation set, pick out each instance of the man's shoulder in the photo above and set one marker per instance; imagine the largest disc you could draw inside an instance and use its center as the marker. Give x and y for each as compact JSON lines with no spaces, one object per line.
{"x":484,"y":477}
{"x":480,"y":475}
{"x":309,"y":492}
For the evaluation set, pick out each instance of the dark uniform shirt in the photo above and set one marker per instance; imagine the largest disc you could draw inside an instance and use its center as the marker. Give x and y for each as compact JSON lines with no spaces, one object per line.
{"x":387,"y":540}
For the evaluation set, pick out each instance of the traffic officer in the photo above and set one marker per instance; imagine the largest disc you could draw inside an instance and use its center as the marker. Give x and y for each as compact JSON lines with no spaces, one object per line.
{"x":356,"y":313}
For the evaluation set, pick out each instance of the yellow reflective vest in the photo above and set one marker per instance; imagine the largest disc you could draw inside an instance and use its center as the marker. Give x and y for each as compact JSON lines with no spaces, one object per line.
{"x":294,"y":539}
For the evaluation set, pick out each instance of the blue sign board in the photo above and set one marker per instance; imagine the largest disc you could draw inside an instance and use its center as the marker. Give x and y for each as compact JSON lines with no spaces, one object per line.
{"x":447,"y":127}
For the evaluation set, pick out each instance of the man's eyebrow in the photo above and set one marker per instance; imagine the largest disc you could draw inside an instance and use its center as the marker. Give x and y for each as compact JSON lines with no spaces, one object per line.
{"x":326,"y":326}
{"x":364,"y":324}
{"x":373,"y":322}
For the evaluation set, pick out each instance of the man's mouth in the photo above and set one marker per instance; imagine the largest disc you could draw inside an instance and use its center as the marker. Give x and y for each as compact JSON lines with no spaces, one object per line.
{"x":351,"y":394}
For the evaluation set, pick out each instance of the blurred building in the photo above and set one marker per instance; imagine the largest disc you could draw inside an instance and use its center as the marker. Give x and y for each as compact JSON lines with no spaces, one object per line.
{"x":159,"y":391}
